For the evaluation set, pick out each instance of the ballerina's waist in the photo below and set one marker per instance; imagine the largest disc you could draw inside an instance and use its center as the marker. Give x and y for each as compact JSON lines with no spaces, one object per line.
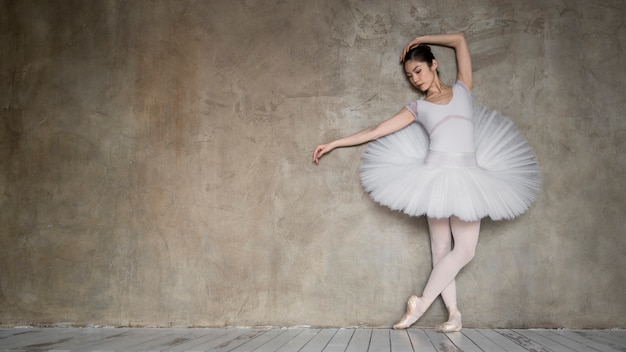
{"x":446,"y":159}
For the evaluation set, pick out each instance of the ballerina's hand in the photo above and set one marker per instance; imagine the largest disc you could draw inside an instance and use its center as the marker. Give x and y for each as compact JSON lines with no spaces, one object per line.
{"x":319,"y":151}
{"x":408,"y":47}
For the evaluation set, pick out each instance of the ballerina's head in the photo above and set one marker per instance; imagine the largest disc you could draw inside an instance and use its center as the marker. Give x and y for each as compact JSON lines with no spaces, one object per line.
{"x":420,"y":67}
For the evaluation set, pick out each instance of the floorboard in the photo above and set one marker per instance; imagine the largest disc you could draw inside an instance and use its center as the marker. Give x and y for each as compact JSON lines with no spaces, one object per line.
{"x":298,"y":342}
{"x":319,"y":341}
{"x":542,"y":339}
{"x":381,"y":341}
{"x":309,"y":340}
{"x":616,"y":338}
{"x":400,"y":341}
{"x":279,"y":341}
{"x":525,"y":340}
{"x":340,"y":341}
{"x":503,"y":341}
{"x":486,"y":345}
{"x":38,"y":338}
{"x":441,"y":342}
{"x":212,"y":336}
{"x":256,"y":343}
{"x":463,"y":342}
{"x":235,"y":338}
{"x":420,"y":340}
{"x":586,"y":338}
{"x":360,"y":341}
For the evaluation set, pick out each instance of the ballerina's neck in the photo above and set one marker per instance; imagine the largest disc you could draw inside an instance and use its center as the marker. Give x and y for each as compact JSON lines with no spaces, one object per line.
{"x":441,"y":95}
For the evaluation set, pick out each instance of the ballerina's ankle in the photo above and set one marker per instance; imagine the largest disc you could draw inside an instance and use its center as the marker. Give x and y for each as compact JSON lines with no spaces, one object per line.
{"x":454,"y":323}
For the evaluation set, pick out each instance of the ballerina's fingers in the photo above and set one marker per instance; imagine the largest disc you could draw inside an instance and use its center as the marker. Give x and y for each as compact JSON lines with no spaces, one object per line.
{"x":319,"y":151}
{"x":408,"y":47}
{"x":316,"y":155}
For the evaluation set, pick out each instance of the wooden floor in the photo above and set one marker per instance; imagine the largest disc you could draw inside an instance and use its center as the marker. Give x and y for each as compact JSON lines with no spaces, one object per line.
{"x":308,"y":340}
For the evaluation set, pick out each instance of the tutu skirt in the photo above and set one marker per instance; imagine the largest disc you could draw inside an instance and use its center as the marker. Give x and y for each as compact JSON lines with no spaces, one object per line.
{"x":500,"y":180}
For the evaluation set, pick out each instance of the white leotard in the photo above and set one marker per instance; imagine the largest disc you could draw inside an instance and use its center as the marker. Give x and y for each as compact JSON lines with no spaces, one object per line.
{"x":449,"y":126}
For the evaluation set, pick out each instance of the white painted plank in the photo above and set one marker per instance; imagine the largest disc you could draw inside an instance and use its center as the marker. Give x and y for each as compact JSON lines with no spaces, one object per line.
{"x":234,"y":338}
{"x":521,"y":340}
{"x":380,"y":341}
{"x":298,"y":342}
{"x":124,"y":339}
{"x":400,"y":341}
{"x":481,"y":340}
{"x":40,"y":338}
{"x":602,"y":337}
{"x":586,"y":339}
{"x":565,"y":341}
{"x":84,"y":337}
{"x":279,"y":341}
{"x":4,"y":333}
{"x":420,"y":340}
{"x":541,"y":339}
{"x":502,"y":341}
{"x":462,"y":342}
{"x":340,"y":341}
{"x":309,"y":340}
{"x":153,"y":344}
{"x":319,"y":341}
{"x":360,"y":340}
{"x":163,"y":338}
{"x":613,"y":336}
{"x":18,"y":337}
{"x":200,"y":337}
{"x":440,"y":341}
{"x":618,"y":332}
{"x":10,"y":332}
{"x":255,"y":342}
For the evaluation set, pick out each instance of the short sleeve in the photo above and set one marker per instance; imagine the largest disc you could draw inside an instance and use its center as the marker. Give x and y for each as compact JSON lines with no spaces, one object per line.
{"x":412,"y":107}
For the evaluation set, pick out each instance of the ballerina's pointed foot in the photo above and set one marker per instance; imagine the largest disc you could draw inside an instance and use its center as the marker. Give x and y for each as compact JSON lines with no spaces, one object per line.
{"x":454,"y":323}
{"x":414,"y":310}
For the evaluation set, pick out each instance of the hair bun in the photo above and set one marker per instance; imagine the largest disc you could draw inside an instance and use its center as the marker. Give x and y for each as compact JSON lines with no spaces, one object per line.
{"x":420,"y":52}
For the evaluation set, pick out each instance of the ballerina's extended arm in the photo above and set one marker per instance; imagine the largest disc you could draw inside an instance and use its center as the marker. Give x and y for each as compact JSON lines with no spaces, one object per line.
{"x":395,"y":123}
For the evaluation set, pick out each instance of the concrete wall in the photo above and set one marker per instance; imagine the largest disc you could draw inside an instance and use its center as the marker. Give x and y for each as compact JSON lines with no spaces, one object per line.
{"x":155,"y":162}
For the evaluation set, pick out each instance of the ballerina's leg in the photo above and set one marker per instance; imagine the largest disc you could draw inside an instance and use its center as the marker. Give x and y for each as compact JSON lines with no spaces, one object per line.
{"x":465,"y":240}
{"x":465,"y":236}
{"x":441,"y":244}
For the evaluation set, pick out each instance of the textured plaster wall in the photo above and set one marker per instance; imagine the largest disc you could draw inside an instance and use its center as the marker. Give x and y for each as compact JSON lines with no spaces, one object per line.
{"x":155,"y":162}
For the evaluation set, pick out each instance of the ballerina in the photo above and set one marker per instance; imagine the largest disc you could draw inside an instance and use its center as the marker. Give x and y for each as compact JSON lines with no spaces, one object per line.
{"x":441,"y":157}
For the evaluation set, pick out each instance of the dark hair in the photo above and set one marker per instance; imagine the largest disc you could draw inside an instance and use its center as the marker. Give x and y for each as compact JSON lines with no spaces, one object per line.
{"x":420,"y":53}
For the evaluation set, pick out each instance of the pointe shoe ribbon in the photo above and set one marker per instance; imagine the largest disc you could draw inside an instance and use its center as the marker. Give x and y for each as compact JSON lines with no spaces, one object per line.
{"x":413,"y":313}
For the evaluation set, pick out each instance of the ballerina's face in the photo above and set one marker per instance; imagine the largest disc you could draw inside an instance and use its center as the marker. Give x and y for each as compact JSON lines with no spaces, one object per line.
{"x":420,"y":74}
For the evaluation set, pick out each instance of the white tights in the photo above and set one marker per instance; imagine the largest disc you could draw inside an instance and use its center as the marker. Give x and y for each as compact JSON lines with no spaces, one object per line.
{"x":448,"y":260}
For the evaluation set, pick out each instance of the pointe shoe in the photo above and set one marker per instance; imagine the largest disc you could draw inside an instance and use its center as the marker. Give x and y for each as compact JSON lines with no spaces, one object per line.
{"x":413,"y":313}
{"x":454,"y":323}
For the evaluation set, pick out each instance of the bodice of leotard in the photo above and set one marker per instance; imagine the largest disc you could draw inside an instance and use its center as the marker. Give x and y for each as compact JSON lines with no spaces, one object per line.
{"x":449,"y":126}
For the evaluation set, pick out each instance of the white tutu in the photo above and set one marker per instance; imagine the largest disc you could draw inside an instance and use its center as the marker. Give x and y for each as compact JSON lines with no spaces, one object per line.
{"x":503,"y":185}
